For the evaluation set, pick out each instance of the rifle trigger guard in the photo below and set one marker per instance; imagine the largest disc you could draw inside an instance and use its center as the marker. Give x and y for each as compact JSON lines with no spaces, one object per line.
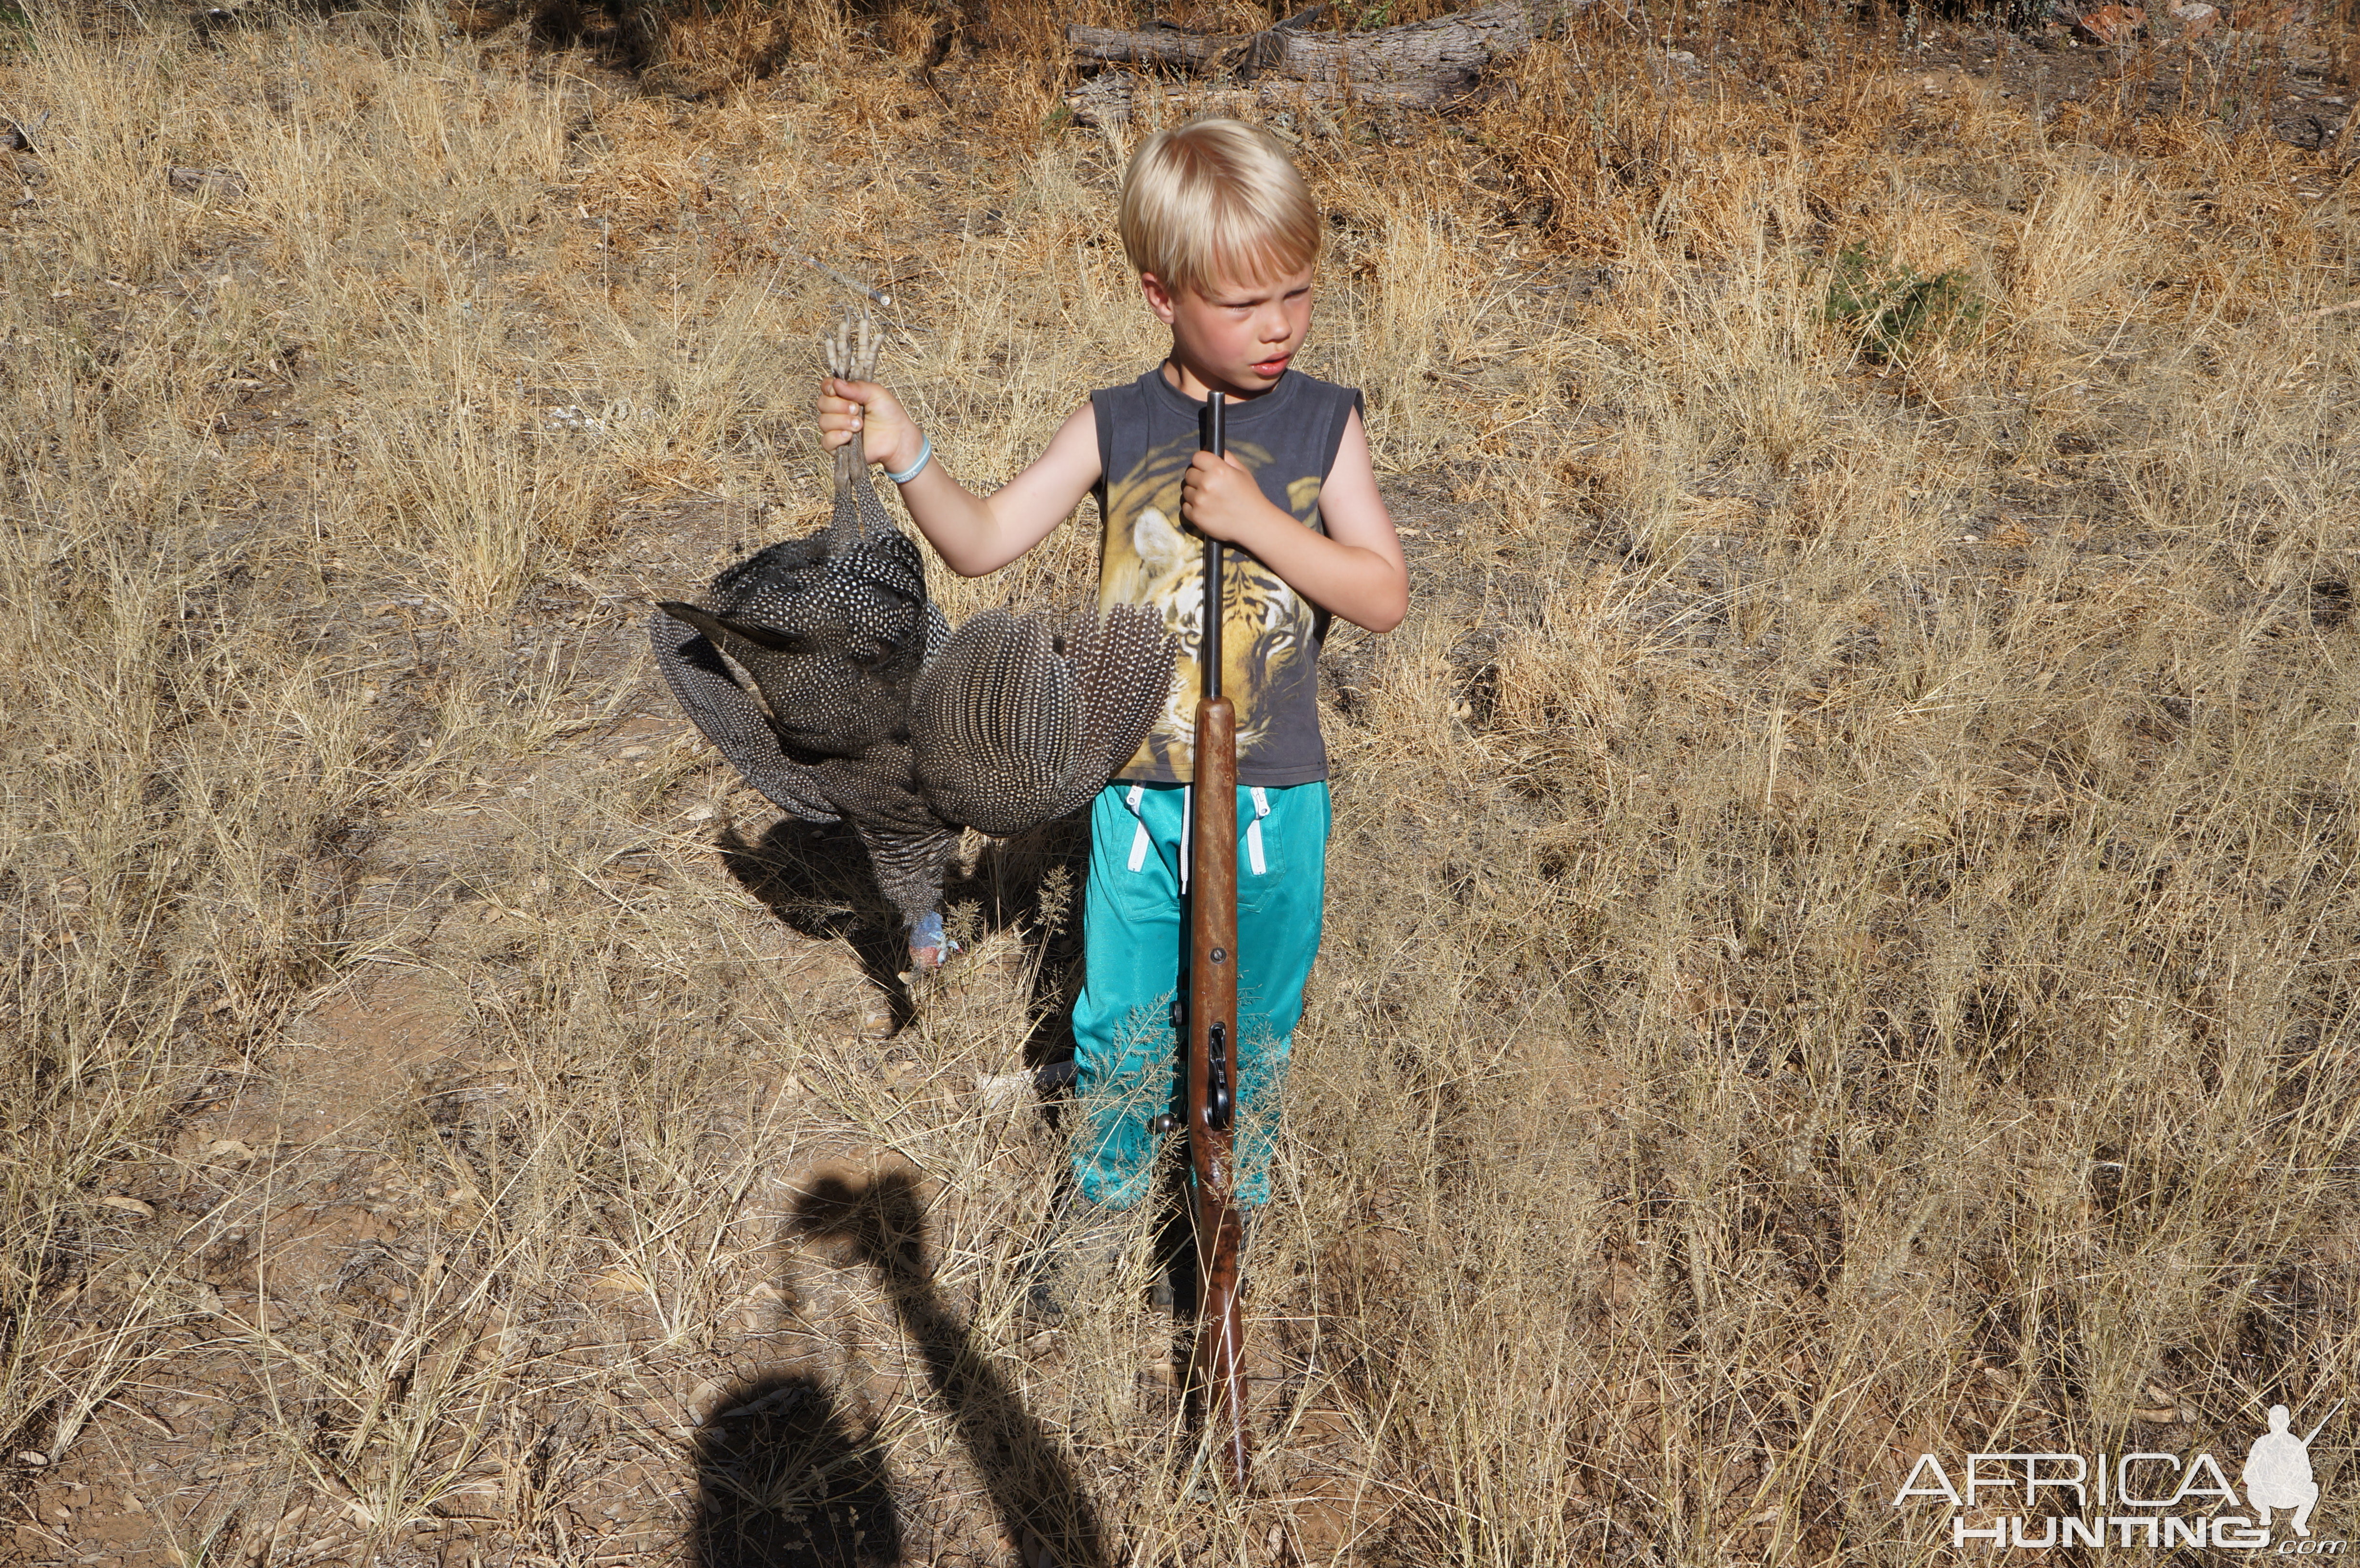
{"x":1217,"y":1105}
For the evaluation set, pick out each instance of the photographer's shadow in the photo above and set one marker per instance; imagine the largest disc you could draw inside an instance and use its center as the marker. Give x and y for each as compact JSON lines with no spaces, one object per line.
{"x":784,"y":1482}
{"x":1032,"y":1487}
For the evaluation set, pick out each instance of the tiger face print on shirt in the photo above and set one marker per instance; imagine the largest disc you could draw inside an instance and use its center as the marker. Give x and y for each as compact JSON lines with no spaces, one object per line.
{"x":1266,"y":626}
{"x":1271,"y":635}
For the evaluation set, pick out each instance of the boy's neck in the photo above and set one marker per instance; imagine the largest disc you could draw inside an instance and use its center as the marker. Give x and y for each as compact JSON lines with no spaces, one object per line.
{"x":1188,"y":384}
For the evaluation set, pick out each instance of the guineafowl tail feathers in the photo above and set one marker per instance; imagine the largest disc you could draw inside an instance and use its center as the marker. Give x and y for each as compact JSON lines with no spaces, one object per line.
{"x":993,"y":725}
{"x":1122,"y":669}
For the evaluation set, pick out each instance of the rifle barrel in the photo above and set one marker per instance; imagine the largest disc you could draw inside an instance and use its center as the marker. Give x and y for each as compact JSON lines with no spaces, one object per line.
{"x":1218,"y":1364}
{"x":1209,"y":648}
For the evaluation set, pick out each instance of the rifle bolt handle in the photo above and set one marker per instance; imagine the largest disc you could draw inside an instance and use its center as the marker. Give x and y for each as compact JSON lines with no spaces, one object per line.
{"x":1164,"y":1126}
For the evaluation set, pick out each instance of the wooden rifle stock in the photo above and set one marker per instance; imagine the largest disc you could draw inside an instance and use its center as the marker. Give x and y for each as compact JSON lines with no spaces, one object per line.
{"x":1216,"y":1368}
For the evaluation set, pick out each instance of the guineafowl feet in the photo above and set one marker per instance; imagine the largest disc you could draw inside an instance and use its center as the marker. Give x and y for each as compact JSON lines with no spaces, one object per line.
{"x":850,"y":352}
{"x":850,"y":355}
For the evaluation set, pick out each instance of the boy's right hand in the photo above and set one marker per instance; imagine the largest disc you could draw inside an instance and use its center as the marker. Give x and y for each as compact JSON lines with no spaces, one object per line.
{"x":865,"y":409}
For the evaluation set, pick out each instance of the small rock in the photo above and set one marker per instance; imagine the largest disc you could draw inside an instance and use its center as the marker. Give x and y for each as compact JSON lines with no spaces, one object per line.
{"x":618,"y":1281}
{"x":2109,"y":22}
{"x":1001,"y":1091}
{"x":227,"y":180}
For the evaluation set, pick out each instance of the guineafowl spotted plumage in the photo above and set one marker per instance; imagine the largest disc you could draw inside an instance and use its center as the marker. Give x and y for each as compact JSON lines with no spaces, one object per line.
{"x":868,"y":709}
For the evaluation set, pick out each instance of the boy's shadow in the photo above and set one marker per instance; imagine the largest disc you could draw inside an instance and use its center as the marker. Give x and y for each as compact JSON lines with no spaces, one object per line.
{"x":818,"y":881}
{"x":782,"y":1482}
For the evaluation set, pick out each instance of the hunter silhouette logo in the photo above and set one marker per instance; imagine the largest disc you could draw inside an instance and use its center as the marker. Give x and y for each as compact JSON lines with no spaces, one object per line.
{"x":2146,"y":1498}
{"x":2277,"y":1472}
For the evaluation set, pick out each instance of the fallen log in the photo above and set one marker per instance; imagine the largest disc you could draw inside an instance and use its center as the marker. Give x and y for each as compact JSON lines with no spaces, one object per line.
{"x":1416,"y":65}
{"x":1117,"y":98}
{"x":1162,"y":46}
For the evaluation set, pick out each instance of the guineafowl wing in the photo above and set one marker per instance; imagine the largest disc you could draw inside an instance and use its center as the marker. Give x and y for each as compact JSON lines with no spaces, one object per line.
{"x":731,"y":720}
{"x":746,"y":639}
{"x":994,"y":726}
{"x":880,"y":788}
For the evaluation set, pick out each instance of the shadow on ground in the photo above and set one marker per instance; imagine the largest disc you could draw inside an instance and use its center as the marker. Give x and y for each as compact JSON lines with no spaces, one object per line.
{"x":816,"y":880}
{"x":784,"y":1481}
{"x":880,"y":1223}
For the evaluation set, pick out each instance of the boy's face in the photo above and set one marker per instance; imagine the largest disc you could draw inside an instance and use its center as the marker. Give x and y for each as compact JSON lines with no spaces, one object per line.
{"x":1236,"y":337}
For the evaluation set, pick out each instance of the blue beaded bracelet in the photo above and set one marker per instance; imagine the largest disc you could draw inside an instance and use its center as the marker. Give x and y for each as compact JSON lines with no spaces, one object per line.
{"x":925,"y":456}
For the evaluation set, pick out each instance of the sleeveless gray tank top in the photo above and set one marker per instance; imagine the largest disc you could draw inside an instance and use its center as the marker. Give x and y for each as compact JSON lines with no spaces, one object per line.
{"x":1271,"y":635}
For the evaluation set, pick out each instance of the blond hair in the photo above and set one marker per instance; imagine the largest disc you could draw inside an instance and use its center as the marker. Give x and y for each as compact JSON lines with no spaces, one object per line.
{"x":1215,"y":202}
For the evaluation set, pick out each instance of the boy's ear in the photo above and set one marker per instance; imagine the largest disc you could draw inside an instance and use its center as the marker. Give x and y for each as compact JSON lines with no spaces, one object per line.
{"x":1159,"y":298}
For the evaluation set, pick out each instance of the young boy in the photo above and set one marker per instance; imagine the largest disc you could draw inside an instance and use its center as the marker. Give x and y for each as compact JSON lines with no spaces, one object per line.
{"x":1225,"y":236}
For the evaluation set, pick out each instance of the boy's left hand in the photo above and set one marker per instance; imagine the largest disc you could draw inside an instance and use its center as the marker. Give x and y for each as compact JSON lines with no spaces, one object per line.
{"x":1218,"y":496}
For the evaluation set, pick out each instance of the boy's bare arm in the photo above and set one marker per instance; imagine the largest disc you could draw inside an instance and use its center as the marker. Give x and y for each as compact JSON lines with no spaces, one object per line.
{"x":974,"y":534}
{"x":1354,"y":571}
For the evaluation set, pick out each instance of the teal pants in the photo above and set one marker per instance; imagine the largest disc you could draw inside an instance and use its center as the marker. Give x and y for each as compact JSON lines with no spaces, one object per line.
{"x":1127,"y":1067}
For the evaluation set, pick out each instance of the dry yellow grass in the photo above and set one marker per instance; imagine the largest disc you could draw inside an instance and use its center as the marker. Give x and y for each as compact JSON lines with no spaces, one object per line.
{"x":1842,"y":928}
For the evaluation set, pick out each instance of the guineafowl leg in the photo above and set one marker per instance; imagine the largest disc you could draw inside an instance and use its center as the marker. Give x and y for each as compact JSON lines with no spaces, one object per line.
{"x":850,"y":355}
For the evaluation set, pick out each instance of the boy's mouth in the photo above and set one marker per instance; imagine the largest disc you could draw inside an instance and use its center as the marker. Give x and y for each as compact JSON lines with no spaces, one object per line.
{"x":1270,"y":367}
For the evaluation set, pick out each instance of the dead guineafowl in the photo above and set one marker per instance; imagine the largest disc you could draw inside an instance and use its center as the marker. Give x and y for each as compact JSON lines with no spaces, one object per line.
{"x":866,"y":708}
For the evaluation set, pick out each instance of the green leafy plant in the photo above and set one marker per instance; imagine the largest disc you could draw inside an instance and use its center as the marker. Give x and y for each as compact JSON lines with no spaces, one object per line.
{"x":1898,"y":310}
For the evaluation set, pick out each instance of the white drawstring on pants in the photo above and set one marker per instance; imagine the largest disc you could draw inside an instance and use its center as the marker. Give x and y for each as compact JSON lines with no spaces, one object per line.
{"x":1141,"y":840}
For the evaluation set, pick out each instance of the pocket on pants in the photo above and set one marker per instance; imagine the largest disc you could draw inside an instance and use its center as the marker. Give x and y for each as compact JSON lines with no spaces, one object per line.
{"x":1140,"y":884}
{"x":1264,"y":855}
